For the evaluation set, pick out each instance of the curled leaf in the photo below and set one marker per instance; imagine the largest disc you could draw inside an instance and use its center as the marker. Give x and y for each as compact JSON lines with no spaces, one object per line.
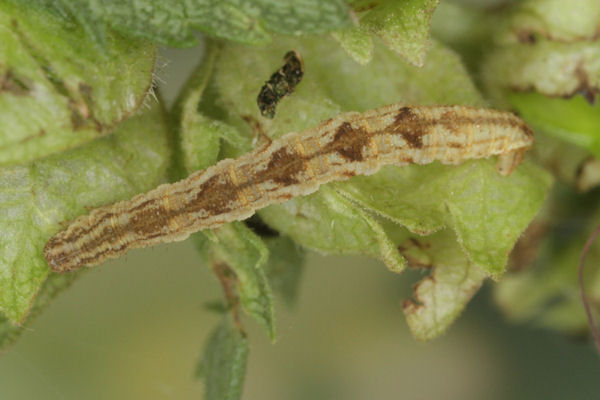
{"x":244,"y":254}
{"x":327,"y":222}
{"x":441,"y":296}
{"x":486,"y":211}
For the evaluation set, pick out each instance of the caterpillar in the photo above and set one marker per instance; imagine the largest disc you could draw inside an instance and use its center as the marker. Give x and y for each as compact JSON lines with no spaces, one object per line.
{"x":293,"y":165}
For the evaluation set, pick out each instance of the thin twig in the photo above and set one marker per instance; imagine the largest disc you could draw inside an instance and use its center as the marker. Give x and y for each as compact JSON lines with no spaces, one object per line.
{"x":584,"y":299}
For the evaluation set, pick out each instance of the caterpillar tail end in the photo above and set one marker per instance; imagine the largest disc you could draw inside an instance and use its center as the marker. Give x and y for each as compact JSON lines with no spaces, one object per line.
{"x":508,"y":162}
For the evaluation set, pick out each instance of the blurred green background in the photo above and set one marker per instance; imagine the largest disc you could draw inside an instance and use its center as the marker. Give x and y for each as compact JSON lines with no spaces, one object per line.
{"x":134,"y":329}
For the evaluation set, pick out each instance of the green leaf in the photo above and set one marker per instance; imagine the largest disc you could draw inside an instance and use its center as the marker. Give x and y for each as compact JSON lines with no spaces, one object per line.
{"x":223,"y":364}
{"x":389,"y":80}
{"x":357,"y":43}
{"x":573,"y":120}
{"x":284,"y":267}
{"x":196,"y":142}
{"x":441,"y":296}
{"x":486,"y":211}
{"x":549,"y":18}
{"x":327,"y":222}
{"x":173,"y":22}
{"x":54,"y":284}
{"x":37,"y":198}
{"x":568,"y":163}
{"x":197,"y":136}
{"x":466,"y":29}
{"x":245,"y":254}
{"x":402,"y":25}
{"x":57,"y":90}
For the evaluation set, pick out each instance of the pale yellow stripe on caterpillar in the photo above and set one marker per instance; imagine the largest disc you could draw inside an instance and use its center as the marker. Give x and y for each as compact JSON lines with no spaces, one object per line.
{"x":294,"y":165}
{"x":234,"y":179}
{"x":302,"y":152}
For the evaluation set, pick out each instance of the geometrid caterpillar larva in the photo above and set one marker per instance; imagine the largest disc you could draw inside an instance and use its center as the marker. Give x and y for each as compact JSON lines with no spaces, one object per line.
{"x":294,"y":165}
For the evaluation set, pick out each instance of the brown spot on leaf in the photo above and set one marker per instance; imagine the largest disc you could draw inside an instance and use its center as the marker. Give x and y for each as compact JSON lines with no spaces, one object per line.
{"x":585,"y":88}
{"x":526,"y":37}
{"x":77,"y":120}
{"x":86,"y":92}
{"x":10,"y":83}
{"x":229,"y":282}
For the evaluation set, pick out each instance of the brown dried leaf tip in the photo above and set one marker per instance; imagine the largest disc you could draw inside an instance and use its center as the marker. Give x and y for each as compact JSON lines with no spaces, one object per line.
{"x":281,"y":83}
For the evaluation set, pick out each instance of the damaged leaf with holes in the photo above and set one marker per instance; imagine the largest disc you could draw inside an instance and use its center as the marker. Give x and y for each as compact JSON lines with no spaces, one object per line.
{"x":59,"y":91}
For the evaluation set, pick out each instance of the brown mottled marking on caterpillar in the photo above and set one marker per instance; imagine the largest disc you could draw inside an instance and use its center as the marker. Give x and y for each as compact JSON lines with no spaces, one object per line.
{"x":284,"y":167}
{"x":349,"y":142}
{"x":448,"y":120}
{"x":294,"y":165}
{"x":407,"y":124}
{"x":214,"y":195}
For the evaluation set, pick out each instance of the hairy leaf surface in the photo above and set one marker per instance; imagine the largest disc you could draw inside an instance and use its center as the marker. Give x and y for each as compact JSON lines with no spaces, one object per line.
{"x":173,"y":22}
{"x":58,"y":90}
{"x":402,"y":25}
{"x":223,"y":364}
